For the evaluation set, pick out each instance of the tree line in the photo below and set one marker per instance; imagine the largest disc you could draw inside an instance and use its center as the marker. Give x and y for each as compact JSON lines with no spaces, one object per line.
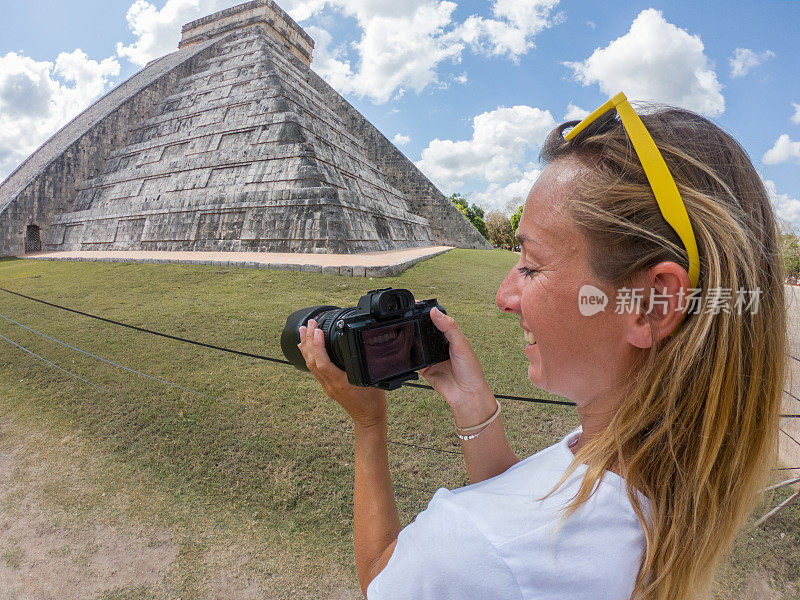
{"x":791,"y":256}
{"x":499,"y":227}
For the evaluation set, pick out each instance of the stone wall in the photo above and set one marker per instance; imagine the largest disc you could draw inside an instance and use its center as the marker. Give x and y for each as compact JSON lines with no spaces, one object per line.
{"x":266,"y":13}
{"x":47,"y":183}
{"x":448,"y":226}
{"x":244,"y":155}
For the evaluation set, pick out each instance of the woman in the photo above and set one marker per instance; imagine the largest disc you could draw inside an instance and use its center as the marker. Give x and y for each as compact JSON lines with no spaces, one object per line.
{"x":676,"y":380}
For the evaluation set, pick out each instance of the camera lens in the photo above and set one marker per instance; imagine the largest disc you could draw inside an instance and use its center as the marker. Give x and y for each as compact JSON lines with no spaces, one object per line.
{"x":291,"y":331}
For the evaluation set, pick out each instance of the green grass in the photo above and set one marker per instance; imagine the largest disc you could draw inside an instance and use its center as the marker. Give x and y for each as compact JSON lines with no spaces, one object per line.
{"x":275,"y":466}
{"x":13,"y":557}
{"x":139,"y":592}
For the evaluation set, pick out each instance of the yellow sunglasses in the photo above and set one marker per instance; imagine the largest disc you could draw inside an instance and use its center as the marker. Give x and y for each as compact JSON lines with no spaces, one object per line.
{"x":663,"y":185}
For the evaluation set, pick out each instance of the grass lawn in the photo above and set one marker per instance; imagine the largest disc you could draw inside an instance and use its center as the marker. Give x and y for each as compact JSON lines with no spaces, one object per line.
{"x":250,"y":493}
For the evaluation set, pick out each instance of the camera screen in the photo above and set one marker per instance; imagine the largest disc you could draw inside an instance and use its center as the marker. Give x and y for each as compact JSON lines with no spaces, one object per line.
{"x":392,"y":349}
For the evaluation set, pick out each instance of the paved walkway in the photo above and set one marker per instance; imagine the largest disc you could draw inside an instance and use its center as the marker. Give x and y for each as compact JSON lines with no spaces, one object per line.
{"x":369,"y":264}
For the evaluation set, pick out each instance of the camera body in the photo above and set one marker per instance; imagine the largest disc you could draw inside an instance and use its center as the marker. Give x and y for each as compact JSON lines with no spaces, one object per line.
{"x":381,"y":342}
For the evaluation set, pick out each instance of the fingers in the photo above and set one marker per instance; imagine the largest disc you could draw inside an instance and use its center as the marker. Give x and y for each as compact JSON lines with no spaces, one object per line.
{"x":312,"y":346}
{"x":323,"y":361}
{"x":447,"y":325}
{"x":307,"y":346}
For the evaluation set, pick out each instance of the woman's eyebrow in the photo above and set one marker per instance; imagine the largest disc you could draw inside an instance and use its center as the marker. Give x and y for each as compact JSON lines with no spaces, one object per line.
{"x":531,"y":244}
{"x":526,"y":239}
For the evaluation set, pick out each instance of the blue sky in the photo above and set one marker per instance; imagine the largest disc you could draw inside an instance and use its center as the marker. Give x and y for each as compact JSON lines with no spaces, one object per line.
{"x":467,"y":89}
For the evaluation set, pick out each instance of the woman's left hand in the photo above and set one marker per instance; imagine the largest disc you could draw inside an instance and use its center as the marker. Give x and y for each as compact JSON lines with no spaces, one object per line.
{"x":365,"y":405}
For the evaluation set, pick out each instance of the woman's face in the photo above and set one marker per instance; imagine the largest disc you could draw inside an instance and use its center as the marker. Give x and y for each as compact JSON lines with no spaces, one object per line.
{"x":572,"y":355}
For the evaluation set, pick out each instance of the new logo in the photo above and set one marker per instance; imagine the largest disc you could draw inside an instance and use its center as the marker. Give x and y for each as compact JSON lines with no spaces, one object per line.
{"x":591,"y":300}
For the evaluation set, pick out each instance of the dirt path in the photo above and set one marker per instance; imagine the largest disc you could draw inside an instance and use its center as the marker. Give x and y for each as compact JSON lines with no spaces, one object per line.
{"x":68,"y":531}
{"x":47,"y":554}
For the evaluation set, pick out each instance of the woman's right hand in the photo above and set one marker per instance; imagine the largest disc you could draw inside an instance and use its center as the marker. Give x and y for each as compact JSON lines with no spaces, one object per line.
{"x":460,"y":380}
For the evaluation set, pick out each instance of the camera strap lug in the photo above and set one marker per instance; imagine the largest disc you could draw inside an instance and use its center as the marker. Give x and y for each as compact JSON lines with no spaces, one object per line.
{"x":393,"y":384}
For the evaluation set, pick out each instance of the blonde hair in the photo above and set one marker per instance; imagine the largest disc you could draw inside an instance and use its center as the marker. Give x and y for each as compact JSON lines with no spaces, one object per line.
{"x":698,"y":431}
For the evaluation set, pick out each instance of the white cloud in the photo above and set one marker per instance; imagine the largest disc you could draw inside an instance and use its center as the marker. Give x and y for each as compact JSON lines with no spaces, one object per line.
{"x":330,"y":63}
{"x":744,"y":59}
{"x":496,"y":196}
{"x":512,"y":29}
{"x":784,"y":150}
{"x":400,"y":49}
{"x":401,"y":46}
{"x":159,"y":31}
{"x":655,"y":61}
{"x":462,"y":78}
{"x":785,"y":207}
{"x":300,"y":10}
{"x":496,"y":154}
{"x":39,"y":97}
{"x":400,"y":139}
{"x":575,"y":113}
{"x":401,"y":43}
{"x":591,"y":24}
{"x":796,"y":115}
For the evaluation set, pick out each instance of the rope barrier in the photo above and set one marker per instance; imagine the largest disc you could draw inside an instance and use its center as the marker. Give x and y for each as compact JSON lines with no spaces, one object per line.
{"x":70,"y":373}
{"x":286,"y":362}
{"x":150,"y":331}
{"x":248,"y":354}
{"x":102,"y":389}
{"x":790,"y":436}
{"x":395,"y":442}
{"x":791,"y":394}
{"x":261,"y":357}
{"x":116,"y":364}
{"x":504,"y":397}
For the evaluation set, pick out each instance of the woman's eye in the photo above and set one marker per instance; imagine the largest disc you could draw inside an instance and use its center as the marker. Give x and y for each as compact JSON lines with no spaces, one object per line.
{"x":526,"y":272}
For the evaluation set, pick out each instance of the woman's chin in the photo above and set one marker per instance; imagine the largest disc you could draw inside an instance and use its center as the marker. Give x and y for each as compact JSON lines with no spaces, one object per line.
{"x":535,"y":376}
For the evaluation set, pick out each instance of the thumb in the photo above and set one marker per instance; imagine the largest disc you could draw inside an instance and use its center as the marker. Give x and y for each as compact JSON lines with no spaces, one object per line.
{"x":447,"y":325}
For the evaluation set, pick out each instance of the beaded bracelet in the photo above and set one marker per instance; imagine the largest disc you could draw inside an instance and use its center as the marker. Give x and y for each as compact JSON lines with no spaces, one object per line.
{"x":470,"y":433}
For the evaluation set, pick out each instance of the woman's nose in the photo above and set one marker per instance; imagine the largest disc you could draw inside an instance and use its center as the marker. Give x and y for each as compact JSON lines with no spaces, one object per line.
{"x":508,"y":296}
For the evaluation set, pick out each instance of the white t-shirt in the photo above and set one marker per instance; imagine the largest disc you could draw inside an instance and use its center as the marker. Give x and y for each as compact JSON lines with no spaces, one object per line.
{"x":499,"y":539}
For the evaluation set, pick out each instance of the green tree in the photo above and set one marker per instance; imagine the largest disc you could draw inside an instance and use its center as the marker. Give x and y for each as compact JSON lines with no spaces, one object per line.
{"x":515,"y":219}
{"x":500,"y":232}
{"x":791,"y":254}
{"x":473,"y":213}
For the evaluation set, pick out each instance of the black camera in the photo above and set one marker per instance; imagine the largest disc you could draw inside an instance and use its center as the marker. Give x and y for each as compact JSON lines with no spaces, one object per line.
{"x":382,"y":342}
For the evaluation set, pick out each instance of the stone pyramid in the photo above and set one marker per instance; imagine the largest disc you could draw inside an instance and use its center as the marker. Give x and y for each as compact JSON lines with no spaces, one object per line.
{"x":231,"y":143}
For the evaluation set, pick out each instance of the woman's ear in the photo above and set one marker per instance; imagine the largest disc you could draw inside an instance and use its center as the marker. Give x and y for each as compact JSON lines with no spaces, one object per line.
{"x":664,"y":289}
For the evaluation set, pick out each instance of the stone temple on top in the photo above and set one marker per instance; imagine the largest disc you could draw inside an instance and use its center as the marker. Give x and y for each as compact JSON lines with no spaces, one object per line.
{"x":232,"y":143}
